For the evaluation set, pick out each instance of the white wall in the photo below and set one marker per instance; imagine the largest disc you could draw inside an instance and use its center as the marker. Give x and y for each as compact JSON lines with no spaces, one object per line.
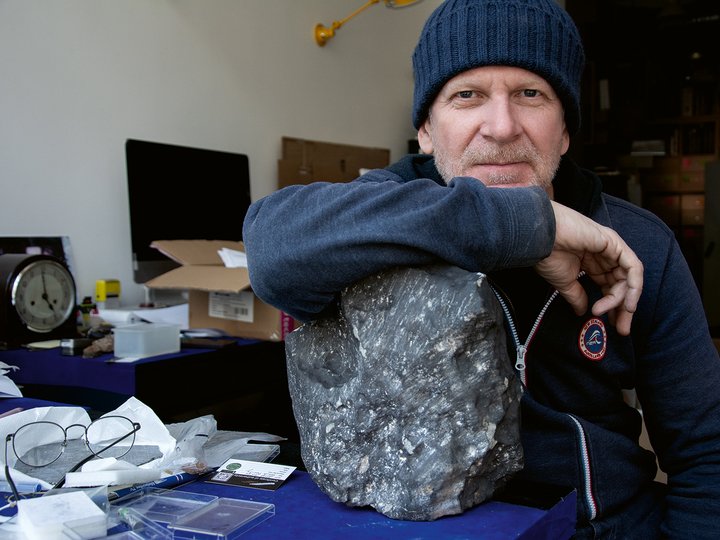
{"x":78,"y":77}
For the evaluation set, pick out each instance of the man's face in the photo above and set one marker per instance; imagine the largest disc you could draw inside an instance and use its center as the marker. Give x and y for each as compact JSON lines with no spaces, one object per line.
{"x":502,"y":125}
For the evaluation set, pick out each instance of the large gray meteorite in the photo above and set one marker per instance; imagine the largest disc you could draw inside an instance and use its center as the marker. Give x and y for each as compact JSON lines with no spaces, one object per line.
{"x":406,"y":400}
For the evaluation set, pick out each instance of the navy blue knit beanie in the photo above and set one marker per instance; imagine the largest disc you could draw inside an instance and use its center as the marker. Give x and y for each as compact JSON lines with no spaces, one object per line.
{"x":537,"y":35}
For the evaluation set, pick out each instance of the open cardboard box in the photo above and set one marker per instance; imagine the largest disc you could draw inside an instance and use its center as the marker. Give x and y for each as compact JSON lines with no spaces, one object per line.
{"x":219,"y":297}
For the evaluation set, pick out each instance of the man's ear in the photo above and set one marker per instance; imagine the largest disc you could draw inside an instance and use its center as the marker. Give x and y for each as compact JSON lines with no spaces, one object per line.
{"x":424,"y":139}
{"x":565,"y":141}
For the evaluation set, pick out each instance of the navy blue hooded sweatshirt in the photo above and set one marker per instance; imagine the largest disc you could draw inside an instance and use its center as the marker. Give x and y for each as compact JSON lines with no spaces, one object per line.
{"x":305,"y":244}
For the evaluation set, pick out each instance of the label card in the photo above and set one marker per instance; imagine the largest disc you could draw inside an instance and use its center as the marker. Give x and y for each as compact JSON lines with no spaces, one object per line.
{"x":252,"y":474}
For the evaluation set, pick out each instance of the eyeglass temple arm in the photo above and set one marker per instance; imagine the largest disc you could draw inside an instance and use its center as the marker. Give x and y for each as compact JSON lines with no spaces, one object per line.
{"x":9,"y":479}
{"x":61,"y":482}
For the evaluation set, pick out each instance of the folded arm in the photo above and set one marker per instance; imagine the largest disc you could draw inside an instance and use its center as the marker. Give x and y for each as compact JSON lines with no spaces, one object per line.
{"x":305,"y":244}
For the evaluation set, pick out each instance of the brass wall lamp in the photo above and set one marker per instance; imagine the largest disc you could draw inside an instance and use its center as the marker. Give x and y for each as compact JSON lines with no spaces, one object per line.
{"x":324,"y":33}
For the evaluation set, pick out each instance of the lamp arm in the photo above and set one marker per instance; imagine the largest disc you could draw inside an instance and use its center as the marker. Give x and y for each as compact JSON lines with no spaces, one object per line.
{"x":324,"y":33}
{"x":354,"y":13}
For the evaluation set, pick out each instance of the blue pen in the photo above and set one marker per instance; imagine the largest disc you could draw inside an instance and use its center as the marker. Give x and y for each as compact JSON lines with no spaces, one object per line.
{"x":164,"y":483}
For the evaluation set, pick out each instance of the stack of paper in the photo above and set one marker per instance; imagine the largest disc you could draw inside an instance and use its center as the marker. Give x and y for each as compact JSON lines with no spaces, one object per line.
{"x":50,"y":517}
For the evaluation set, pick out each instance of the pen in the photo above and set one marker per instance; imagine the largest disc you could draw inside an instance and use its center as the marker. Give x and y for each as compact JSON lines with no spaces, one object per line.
{"x":167,"y":482}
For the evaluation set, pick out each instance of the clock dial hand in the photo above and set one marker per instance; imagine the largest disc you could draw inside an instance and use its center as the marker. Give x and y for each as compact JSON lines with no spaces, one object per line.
{"x":44,"y":295}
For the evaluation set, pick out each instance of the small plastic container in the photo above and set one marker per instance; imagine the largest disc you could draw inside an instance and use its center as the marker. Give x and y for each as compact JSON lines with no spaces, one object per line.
{"x":166,"y":506}
{"x":140,"y":528}
{"x":223,"y":519}
{"x":146,"y":339}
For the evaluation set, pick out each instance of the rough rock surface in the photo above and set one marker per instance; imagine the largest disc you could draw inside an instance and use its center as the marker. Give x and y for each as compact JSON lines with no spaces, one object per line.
{"x":406,"y":400}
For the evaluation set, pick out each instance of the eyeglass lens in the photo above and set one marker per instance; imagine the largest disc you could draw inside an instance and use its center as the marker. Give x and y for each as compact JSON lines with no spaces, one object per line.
{"x":104,"y":432}
{"x":39,"y":444}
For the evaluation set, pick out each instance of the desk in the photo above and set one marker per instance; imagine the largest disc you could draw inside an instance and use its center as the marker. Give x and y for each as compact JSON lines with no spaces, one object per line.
{"x":244,"y":386}
{"x":303,"y":511}
{"x":8,"y":404}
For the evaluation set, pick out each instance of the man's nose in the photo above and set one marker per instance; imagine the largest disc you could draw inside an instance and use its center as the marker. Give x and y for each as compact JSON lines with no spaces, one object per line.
{"x":500,"y":120}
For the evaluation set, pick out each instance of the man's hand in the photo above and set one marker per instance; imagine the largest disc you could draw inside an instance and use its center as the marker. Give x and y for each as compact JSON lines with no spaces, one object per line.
{"x":582,"y":244}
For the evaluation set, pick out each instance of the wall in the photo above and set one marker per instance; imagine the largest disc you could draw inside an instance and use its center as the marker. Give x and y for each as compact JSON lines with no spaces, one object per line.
{"x":81,"y":76}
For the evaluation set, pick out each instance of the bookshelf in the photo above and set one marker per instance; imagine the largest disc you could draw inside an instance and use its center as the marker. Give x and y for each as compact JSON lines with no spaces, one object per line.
{"x":651,"y":108}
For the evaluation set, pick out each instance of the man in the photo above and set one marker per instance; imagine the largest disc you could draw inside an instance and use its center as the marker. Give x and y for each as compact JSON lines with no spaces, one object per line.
{"x":496,"y":100}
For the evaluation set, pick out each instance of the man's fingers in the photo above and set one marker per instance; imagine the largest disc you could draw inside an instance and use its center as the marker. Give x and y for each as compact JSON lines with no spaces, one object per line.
{"x":575,"y":295}
{"x":633,"y":279}
{"x":582,"y":244}
{"x":623,"y":321}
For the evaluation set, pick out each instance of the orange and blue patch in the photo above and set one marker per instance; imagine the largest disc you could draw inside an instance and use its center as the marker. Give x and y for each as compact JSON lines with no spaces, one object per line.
{"x":593,"y":340}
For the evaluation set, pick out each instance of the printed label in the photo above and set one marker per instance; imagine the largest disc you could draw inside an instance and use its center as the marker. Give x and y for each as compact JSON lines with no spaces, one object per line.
{"x":232,"y":306}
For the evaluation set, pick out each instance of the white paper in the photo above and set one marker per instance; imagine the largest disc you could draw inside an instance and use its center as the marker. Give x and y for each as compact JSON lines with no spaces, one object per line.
{"x":118,"y":317}
{"x":7,"y":386}
{"x":178,"y":314}
{"x":152,"y":430}
{"x":233,"y":258}
{"x":46,"y":517}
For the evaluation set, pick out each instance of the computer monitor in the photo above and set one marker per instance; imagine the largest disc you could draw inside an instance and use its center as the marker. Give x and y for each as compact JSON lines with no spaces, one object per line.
{"x":182,"y":193}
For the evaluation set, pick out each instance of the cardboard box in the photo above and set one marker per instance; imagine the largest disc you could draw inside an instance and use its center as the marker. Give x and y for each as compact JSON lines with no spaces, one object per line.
{"x":682,"y":163}
{"x":692,"y":209}
{"x":686,"y":181}
{"x":219,"y":297}
{"x":689,"y":181}
{"x":695,"y":163}
{"x":304,"y":161}
{"x":677,"y":173}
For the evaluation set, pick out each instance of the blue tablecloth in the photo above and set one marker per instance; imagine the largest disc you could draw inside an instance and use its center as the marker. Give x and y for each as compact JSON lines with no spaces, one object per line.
{"x":51,"y":368}
{"x":303,"y":511}
{"x":8,"y":404}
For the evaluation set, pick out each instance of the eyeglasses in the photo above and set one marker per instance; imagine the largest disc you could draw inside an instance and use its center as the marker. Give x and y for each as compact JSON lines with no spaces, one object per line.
{"x":38,"y":444}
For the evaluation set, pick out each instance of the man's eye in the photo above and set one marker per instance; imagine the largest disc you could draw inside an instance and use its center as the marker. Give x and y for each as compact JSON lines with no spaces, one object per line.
{"x":465,"y":94}
{"x":529,"y":92}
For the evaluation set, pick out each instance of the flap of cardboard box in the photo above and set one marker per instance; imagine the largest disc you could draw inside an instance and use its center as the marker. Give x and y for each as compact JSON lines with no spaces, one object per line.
{"x":204,"y":278}
{"x":202,"y":268}
{"x":192,"y":252}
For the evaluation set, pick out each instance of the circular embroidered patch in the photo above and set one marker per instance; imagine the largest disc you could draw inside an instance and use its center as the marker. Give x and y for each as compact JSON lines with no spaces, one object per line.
{"x":593,"y":340}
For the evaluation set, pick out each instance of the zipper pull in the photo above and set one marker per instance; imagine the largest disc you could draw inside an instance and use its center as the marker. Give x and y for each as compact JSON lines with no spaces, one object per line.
{"x":520,"y":358}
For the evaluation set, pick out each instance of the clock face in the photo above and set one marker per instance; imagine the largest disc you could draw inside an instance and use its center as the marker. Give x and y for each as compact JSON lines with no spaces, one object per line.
{"x":43,"y":294}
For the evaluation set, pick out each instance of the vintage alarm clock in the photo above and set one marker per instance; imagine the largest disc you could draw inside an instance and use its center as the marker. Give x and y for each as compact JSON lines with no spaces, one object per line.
{"x":38,"y":299}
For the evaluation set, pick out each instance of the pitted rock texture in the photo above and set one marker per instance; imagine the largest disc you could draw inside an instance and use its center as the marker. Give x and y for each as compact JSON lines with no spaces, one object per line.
{"x":406,"y":400}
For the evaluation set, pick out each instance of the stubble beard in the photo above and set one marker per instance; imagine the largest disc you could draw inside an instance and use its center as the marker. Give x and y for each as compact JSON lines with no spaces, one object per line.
{"x":544,"y":167}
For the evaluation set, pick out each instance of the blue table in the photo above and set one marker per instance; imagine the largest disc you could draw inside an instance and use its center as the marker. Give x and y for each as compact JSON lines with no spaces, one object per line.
{"x":8,"y":404}
{"x":52,"y":368}
{"x":176,"y":386}
{"x":303,"y":511}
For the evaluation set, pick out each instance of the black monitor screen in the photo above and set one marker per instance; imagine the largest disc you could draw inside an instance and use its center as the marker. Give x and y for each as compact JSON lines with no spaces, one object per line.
{"x":182,"y":193}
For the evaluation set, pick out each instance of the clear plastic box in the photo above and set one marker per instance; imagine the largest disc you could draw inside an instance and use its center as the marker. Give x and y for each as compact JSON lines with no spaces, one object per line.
{"x":223,"y":519}
{"x":139,"y":528}
{"x":165,"y":506}
{"x":146,"y":339}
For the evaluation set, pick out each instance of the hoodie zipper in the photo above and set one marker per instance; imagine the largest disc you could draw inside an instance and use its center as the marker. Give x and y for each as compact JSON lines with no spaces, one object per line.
{"x":522,"y":348}
{"x":520,"y":364}
{"x":587,"y":478}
